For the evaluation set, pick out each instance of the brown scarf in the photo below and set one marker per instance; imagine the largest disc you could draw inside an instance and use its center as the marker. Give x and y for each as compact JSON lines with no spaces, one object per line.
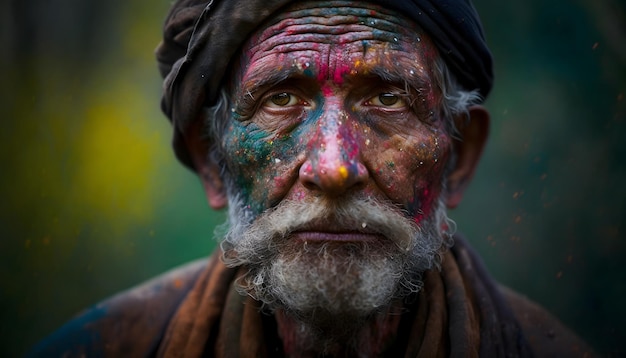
{"x":458,"y":313}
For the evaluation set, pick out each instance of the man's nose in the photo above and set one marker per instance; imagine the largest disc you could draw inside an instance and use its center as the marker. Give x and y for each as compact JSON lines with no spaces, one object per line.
{"x":334,"y":164}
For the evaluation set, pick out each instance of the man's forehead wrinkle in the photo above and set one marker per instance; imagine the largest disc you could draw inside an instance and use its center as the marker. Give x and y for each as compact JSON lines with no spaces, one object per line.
{"x":337,"y":21}
{"x":377,"y":64}
{"x":398,"y":70}
{"x":313,"y":41}
{"x":376,"y":15}
{"x":299,"y":43}
{"x":301,"y":35}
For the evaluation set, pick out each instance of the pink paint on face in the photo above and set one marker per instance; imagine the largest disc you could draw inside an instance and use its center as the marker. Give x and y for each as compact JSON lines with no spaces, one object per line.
{"x":341,"y":70}
{"x":328,"y":88}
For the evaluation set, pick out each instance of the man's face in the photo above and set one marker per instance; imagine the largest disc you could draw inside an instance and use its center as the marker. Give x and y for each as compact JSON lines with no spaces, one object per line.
{"x":329,"y":102}
{"x":337,"y":147}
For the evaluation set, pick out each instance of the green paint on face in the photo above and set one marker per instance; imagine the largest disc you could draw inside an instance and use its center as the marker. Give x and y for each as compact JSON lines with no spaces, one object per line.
{"x":255,"y":157}
{"x":307,"y":117}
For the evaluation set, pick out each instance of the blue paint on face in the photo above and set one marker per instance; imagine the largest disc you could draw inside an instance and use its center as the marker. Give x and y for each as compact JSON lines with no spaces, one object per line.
{"x":329,"y":131}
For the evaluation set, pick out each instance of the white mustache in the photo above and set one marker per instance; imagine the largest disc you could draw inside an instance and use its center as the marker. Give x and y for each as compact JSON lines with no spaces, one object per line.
{"x":350,"y":214}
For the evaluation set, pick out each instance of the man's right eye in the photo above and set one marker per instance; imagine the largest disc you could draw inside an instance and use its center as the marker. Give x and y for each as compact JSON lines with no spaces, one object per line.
{"x":282,"y":99}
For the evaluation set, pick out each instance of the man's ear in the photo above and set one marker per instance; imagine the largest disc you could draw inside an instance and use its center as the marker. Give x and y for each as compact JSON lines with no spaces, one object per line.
{"x":208,"y":171}
{"x":468,"y":149}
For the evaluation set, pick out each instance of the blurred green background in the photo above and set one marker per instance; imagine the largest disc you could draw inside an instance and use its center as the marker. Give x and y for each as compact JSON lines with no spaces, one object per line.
{"x":93,"y":200}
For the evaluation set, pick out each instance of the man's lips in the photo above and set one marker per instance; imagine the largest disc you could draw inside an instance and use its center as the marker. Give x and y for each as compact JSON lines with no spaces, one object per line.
{"x":335,"y":236}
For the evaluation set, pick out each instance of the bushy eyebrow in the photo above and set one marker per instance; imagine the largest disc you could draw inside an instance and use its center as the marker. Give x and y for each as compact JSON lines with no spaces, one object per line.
{"x":262,"y":78}
{"x":415,"y":80}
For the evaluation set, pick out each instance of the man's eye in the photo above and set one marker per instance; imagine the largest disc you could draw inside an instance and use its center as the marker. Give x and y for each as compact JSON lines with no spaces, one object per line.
{"x":282,"y":99}
{"x":388,"y":100}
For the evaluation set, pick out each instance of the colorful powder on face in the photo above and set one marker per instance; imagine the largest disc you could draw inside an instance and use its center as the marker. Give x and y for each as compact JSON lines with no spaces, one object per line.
{"x":337,"y":135}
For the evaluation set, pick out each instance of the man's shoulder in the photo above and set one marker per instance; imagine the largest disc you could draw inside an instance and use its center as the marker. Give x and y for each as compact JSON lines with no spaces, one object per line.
{"x":545,"y":334}
{"x":130,"y":323}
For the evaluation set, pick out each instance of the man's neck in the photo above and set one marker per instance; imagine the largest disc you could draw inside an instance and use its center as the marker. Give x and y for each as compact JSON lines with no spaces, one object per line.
{"x":363,"y":338}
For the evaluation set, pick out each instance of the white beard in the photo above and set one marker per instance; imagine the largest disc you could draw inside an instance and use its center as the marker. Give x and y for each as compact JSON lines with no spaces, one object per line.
{"x":320,"y":281}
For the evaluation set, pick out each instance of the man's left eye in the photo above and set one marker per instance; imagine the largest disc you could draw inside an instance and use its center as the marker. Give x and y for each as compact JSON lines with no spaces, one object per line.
{"x":282,"y":99}
{"x":389,"y":100}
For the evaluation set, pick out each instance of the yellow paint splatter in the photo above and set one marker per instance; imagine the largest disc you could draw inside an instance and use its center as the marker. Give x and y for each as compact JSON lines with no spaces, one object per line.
{"x":343,"y":172}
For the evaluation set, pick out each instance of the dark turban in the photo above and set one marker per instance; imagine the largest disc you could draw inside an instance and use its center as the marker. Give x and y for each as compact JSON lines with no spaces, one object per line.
{"x":200,"y":39}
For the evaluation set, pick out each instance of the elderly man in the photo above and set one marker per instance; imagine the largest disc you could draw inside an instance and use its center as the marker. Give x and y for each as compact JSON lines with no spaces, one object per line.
{"x":337,"y":133}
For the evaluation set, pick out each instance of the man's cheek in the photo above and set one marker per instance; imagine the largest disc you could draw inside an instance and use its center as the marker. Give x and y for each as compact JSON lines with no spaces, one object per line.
{"x":259,"y":163}
{"x":411,"y":171}
{"x":424,"y":201}
{"x":249,"y":154}
{"x":427,"y":188}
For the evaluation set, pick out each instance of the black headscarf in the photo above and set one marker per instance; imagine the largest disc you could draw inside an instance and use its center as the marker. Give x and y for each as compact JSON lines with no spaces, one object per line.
{"x":200,"y":38}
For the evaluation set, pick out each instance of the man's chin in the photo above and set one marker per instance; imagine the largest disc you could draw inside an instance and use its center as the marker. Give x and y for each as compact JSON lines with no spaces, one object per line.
{"x":321,"y":280}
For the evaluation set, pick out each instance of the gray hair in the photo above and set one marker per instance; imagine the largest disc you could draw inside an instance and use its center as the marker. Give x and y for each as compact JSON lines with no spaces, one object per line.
{"x":455,"y":101}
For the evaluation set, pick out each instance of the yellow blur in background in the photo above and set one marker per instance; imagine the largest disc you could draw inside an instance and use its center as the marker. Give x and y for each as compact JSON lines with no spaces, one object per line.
{"x":93,"y":200}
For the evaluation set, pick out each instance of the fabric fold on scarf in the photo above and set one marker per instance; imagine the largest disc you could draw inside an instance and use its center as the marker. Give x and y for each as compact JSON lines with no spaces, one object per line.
{"x":459,"y":312}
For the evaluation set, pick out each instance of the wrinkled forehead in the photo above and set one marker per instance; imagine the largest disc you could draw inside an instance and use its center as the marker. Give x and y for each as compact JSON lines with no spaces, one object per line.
{"x":338,"y":21}
{"x":339,"y":28}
